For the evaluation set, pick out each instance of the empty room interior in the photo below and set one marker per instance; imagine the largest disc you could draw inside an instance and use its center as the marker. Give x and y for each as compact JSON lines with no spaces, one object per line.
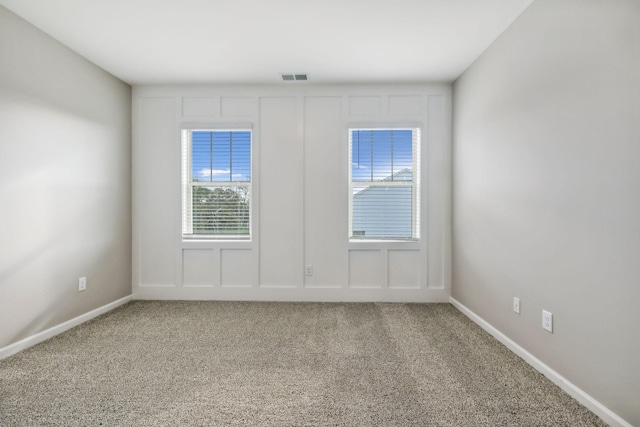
{"x":320,"y":212}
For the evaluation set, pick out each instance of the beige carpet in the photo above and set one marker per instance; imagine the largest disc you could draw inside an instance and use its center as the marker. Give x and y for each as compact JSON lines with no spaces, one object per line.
{"x":279,"y":364}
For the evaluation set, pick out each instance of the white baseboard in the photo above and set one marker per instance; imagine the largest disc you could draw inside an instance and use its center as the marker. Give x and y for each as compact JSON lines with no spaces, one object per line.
{"x":580,"y":395}
{"x":14,"y":348}
{"x":287,"y":293}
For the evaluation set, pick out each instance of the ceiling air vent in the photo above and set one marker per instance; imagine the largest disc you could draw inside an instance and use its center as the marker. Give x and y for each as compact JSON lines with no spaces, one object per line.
{"x":294,"y":77}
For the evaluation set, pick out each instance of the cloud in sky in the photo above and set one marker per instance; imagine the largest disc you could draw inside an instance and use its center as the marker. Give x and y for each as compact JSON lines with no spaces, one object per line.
{"x":207,"y":173}
{"x":359,"y":166}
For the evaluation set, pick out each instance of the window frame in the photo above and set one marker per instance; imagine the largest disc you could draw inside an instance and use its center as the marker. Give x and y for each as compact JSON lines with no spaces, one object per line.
{"x":187,"y":184}
{"x":415,"y":184}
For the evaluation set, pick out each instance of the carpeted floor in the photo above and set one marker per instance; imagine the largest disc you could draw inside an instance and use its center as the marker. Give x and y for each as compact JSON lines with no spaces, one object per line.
{"x":279,"y":364}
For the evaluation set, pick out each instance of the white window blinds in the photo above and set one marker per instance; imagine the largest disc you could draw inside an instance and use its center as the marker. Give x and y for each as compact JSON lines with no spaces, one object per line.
{"x":216,"y":184}
{"x":384,"y":184}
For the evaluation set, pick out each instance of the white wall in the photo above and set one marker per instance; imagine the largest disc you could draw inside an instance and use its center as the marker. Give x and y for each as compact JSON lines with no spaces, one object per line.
{"x":547,"y":191}
{"x":65,"y":143}
{"x":300,"y":195}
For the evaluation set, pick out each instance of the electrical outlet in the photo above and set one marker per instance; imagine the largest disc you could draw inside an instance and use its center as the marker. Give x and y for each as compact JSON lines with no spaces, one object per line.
{"x":82,"y":284}
{"x":308,"y":270}
{"x":547,"y":321}
{"x":516,"y":305}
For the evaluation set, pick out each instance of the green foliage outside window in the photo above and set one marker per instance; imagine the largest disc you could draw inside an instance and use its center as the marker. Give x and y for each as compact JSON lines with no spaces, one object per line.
{"x":220,"y":210}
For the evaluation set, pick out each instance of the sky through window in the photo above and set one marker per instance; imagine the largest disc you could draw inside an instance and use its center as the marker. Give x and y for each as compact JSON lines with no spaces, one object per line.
{"x":381,"y":155}
{"x":221,"y":156}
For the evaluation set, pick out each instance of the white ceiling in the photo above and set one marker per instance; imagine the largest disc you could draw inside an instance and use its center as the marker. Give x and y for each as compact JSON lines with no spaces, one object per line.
{"x":254,"y":41}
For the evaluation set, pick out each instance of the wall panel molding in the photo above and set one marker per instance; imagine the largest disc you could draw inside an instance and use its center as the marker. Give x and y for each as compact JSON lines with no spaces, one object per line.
{"x":300,"y":196}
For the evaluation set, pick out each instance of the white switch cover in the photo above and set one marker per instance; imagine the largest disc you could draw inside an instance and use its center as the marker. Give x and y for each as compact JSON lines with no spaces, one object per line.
{"x":516,"y":305}
{"x":547,"y":321}
{"x":82,"y":284}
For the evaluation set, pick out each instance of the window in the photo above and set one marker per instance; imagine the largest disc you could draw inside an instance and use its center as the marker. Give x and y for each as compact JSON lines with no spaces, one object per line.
{"x":384,"y":180}
{"x":216,"y":184}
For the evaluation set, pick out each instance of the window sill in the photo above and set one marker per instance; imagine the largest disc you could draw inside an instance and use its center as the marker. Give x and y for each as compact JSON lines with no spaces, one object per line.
{"x":384,"y":240}
{"x":217,"y":243}
{"x":372,"y":244}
